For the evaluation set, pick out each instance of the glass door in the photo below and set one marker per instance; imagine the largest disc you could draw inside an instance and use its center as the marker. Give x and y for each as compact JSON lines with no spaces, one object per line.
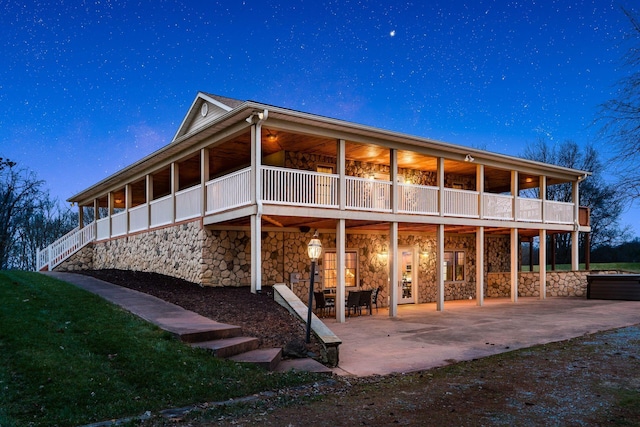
{"x":407,"y":275}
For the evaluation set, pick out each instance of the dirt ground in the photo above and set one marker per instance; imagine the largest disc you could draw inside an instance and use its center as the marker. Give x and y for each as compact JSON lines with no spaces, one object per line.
{"x":593,"y":380}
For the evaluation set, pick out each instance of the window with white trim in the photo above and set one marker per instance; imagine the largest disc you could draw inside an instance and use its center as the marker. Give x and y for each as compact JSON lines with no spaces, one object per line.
{"x":330,"y":264}
{"x":453,"y":266}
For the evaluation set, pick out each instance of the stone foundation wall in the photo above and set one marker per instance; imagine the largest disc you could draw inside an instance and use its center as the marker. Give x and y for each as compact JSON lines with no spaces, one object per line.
{"x":559,"y":284}
{"x":174,"y":251}
{"x":81,"y":260}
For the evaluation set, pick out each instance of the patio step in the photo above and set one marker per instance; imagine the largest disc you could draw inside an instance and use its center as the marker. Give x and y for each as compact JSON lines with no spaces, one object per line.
{"x":209,"y":332}
{"x":227,"y":347}
{"x":267,"y":358}
{"x":303,"y":365}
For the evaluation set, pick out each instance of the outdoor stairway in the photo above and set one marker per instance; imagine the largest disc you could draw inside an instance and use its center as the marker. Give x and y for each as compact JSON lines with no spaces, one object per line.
{"x":245,"y":350}
{"x":223,"y":340}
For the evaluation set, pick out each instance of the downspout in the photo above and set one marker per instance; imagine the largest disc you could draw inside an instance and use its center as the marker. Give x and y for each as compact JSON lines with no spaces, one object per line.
{"x":256,"y":160}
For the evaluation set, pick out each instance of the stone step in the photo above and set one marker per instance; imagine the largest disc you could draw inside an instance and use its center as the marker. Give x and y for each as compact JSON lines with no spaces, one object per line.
{"x":208,"y":332}
{"x":228,"y":347}
{"x":267,"y":358}
{"x":304,"y":365}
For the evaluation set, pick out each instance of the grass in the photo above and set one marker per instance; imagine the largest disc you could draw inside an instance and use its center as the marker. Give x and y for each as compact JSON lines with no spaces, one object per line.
{"x":67,"y":357}
{"x":595,"y":266}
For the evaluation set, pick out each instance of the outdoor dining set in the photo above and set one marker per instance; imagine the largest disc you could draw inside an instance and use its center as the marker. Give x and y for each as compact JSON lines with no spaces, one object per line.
{"x":354,"y":302}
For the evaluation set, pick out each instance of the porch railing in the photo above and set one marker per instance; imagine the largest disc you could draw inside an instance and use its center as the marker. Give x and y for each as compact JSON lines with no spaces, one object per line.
{"x":229,"y":191}
{"x":559,"y":212}
{"x":529,"y":210}
{"x":103,"y":226}
{"x":418,"y":199}
{"x":462,"y":203}
{"x":497,"y":206}
{"x":139,"y":218}
{"x":188,"y":203}
{"x":65,"y":246}
{"x":119,"y":224}
{"x":368,"y":194}
{"x":161,"y":211}
{"x":299,"y":188}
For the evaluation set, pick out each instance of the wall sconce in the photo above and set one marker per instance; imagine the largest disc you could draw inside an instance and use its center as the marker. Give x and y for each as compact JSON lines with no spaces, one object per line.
{"x":424,"y":253}
{"x":118,"y":201}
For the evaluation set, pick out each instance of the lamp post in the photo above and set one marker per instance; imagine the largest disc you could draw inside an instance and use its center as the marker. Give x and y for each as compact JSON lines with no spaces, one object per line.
{"x":314,"y":249}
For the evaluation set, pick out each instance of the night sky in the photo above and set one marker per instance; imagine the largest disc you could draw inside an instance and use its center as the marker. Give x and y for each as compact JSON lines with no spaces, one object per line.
{"x":87,"y":88}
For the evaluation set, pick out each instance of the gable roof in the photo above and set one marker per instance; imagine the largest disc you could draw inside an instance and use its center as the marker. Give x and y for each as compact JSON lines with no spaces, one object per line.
{"x":199,"y":116}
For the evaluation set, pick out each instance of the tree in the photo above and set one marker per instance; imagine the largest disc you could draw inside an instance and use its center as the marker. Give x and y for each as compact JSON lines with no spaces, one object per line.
{"x":29,"y":219}
{"x":603,"y":199}
{"x":621,"y":117}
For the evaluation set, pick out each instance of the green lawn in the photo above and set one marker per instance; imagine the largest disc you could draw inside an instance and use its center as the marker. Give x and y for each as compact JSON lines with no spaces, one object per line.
{"x":67,"y":357}
{"x":624,"y":266}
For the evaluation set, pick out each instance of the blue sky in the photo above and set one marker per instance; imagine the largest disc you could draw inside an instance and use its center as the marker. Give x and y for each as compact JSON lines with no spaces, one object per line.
{"x":87,"y":88}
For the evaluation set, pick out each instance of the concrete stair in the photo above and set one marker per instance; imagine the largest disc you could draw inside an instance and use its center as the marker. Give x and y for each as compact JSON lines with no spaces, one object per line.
{"x":227,"y":347}
{"x":225,"y":341}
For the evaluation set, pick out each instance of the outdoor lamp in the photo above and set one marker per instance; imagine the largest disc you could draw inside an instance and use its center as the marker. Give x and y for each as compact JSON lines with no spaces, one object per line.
{"x":314,"y":249}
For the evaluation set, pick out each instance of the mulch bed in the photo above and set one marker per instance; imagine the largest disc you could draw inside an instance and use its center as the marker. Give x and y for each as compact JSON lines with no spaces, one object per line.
{"x":259,"y":315}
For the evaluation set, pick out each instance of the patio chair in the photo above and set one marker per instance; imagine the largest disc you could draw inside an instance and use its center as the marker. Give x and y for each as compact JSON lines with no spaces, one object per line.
{"x":322,"y":305}
{"x":365,"y":300}
{"x":353,"y":302}
{"x":374,"y":297}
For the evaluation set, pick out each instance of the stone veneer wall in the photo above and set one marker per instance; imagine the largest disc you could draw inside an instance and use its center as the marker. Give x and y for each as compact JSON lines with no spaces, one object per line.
{"x":81,"y":260}
{"x":559,"y":284}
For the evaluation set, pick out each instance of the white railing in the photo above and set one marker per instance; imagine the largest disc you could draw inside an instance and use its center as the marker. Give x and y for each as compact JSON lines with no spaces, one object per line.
{"x":299,"y":188}
{"x":497,"y":206}
{"x":368,"y":194}
{"x":161,"y":211}
{"x":139,"y":218}
{"x":65,"y":246}
{"x":188,"y":203}
{"x":529,"y":210}
{"x":229,"y":191}
{"x":103,"y":228}
{"x":418,"y":199}
{"x":119,"y":224}
{"x":463,"y":203}
{"x":558,"y":212}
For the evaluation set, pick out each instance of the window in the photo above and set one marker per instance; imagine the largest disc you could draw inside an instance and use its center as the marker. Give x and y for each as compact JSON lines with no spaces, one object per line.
{"x":453,"y":266}
{"x":331,"y":269}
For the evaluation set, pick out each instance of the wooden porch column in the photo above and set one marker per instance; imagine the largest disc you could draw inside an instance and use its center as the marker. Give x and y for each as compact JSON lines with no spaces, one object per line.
{"x":543,"y":198}
{"x":542,"y":256}
{"x":128,"y":201}
{"x":80,"y":216}
{"x":587,"y":251}
{"x":514,"y":264}
{"x":149,"y":194}
{"x":553,"y":252}
{"x":96,"y":210}
{"x":440,"y":267}
{"x":256,"y":198}
{"x":175,"y":184}
{"x":480,"y":266}
{"x":531,"y":254}
{"x":342,"y":183}
{"x":441,"y":185}
{"x":393,"y":156}
{"x":110,"y":203}
{"x":204,"y":177}
{"x":480,"y":190}
{"x":340,"y":266}
{"x":575,"y":241}
{"x":392,"y":262}
{"x":514,"y":193}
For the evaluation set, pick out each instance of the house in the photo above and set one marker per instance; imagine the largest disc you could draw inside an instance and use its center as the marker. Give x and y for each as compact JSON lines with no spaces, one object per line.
{"x":238,"y":193}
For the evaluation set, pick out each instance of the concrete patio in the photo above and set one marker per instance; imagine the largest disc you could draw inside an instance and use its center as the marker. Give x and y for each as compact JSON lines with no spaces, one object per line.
{"x":422,"y":338}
